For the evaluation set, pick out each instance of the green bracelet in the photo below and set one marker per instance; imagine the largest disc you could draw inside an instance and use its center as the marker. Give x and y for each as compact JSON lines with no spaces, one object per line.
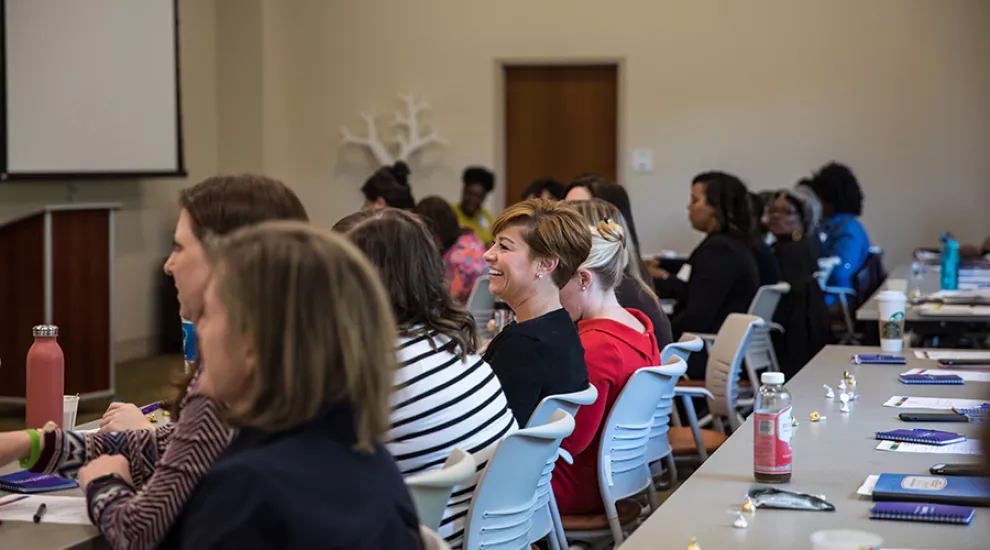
{"x":35,"y":450}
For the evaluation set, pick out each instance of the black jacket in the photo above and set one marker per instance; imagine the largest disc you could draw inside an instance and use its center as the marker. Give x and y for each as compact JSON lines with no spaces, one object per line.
{"x":802,"y":312}
{"x":300,"y":489}
{"x":723,"y":280}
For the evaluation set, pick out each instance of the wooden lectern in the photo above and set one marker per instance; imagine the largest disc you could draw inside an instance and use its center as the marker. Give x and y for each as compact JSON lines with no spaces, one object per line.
{"x":57,"y":267}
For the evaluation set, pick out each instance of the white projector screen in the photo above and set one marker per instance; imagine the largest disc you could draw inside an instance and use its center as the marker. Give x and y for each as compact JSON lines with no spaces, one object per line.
{"x":91,"y":89}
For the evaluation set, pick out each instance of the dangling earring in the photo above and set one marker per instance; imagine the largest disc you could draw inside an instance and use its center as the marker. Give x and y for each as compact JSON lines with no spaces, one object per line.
{"x":797,"y":235}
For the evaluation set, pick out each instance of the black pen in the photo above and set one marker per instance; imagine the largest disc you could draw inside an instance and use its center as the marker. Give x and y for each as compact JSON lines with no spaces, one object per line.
{"x":40,"y":513}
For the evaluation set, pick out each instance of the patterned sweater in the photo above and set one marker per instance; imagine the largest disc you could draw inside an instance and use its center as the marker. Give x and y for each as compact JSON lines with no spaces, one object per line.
{"x":166,"y":465}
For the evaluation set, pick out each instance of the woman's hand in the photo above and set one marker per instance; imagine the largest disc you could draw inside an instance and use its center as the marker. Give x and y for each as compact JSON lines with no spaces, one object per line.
{"x":655,"y":271}
{"x":14,"y":446}
{"x":124,"y":416}
{"x":103,"y":465}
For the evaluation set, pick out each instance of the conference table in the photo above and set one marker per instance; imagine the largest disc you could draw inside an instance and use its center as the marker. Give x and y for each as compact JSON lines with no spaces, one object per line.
{"x":50,"y":536}
{"x":924,"y":280}
{"x":832,"y":457}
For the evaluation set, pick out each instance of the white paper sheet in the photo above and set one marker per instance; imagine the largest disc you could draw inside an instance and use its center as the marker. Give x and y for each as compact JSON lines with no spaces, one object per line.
{"x":66,"y":510}
{"x":955,"y":354}
{"x":937,"y":403}
{"x":967,"y":375}
{"x":866,"y":489}
{"x":968,"y":447}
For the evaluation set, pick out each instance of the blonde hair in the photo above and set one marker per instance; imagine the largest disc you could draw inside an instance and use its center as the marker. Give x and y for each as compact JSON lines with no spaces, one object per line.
{"x":319,"y":321}
{"x":596,"y":210}
{"x":607,"y":259}
{"x":551,"y":230}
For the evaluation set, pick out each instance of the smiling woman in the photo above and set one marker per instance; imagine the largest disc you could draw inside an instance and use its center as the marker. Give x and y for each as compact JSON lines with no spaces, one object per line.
{"x":538,"y":246}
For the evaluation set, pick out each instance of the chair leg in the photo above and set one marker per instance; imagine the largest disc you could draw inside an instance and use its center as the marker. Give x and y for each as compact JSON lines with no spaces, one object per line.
{"x":616,"y":528}
{"x":671,"y":469}
{"x":651,"y":493}
{"x":558,"y":534}
{"x":554,"y":543}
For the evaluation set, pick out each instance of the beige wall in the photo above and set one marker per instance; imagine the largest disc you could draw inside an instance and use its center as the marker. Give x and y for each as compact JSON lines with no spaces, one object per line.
{"x":768,"y":89}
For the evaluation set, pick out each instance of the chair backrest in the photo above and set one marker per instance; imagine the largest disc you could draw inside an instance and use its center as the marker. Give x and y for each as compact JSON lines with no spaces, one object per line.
{"x":481,"y":303}
{"x":431,"y":491}
{"x":569,"y":403}
{"x":623,"y":467}
{"x":724,"y":364}
{"x":825,"y":268}
{"x":765,"y":302}
{"x":870,"y":277}
{"x":500,"y":514}
{"x":658,"y":445}
{"x":431,"y":540}
{"x":683,"y":348}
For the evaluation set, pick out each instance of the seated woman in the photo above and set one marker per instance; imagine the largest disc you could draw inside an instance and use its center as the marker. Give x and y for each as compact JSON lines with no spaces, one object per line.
{"x":461,"y":249}
{"x":445,"y":396}
{"x":802,"y":311}
{"x":545,"y":188}
{"x":297,"y":338}
{"x":137,"y":477}
{"x":389,"y":187}
{"x":617,"y":342}
{"x":845,"y":237}
{"x":766,"y":264}
{"x":471,"y":214}
{"x":538,"y":246}
{"x":720,"y":276}
{"x":632,"y":291}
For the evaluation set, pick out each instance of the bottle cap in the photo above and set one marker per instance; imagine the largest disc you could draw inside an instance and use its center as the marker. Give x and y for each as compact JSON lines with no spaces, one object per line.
{"x":45,"y":330}
{"x":772,"y":378}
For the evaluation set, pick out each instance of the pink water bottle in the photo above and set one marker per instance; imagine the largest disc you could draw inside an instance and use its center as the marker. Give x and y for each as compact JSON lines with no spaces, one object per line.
{"x":45,"y":378}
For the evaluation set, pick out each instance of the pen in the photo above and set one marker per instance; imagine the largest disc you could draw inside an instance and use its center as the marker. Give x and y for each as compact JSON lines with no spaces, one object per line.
{"x":40,"y":513}
{"x":13,"y":500}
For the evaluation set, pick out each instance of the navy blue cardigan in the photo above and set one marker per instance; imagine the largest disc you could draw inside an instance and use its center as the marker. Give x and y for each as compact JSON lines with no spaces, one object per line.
{"x":304,"y":488}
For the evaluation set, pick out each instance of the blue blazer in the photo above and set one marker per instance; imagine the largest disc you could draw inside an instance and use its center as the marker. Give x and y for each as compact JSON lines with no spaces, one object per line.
{"x":846,"y":238}
{"x":301,"y":489}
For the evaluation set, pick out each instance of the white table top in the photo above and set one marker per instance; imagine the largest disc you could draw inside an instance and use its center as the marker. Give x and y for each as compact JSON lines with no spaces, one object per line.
{"x":832,"y":457}
{"x":927,"y":282}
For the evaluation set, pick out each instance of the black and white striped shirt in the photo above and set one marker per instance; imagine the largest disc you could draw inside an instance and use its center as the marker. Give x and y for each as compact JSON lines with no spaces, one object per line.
{"x":440,"y":403}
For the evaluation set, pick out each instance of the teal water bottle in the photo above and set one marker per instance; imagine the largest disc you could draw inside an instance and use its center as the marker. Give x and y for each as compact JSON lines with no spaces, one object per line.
{"x":950,"y":263}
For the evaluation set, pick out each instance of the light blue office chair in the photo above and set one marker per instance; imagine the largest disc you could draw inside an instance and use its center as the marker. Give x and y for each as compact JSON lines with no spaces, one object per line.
{"x":658,"y":448}
{"x":431,"y":491}
{"x":546,"y":518}
{"x":623,"y":470}
{"x":481,"y":304}
{"x":501,"y":511}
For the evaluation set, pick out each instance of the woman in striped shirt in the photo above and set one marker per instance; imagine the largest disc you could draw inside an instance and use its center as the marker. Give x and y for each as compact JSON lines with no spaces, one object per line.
{"x":445,"y":395}
{"x":137,"y":480}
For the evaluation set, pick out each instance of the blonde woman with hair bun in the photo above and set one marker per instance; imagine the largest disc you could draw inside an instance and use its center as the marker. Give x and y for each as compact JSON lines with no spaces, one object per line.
{"x":617,"y":341}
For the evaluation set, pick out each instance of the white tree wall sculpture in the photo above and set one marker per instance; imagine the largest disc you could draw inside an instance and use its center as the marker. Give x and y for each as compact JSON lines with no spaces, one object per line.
{"x":409,"y":136}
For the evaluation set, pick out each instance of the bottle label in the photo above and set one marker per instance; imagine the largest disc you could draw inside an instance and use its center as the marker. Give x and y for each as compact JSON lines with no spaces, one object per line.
{"x":772,"y":442}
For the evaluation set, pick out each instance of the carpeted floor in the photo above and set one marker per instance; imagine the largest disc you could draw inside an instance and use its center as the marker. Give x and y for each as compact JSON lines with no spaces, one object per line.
{"x":140,"y":381}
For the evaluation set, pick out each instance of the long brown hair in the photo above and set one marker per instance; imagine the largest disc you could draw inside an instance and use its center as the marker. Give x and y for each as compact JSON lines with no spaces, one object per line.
{"x":316,"y":316}
{"x":222,"y":204}
{"x":404,"y":250}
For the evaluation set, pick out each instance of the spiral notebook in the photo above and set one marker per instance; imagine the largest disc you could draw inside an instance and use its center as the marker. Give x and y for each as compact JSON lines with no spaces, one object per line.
{"x":928,"y":379}
{"x":30,"y":483}
{"x":918,"y":435}
{"x":916,"y":511}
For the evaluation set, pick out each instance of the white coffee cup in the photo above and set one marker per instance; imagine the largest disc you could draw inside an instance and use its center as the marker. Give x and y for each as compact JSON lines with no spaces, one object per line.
{"x":844,"y":539}
{"x":892,"y":304}
{"x":70,"y":406}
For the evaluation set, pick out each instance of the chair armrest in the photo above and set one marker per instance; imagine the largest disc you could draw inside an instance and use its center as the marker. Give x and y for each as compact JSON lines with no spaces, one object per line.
{"x":838,"y":290}
{"x":777,"y":327}
{"x":704,"y":336}
{"x":688,"y":391}
{"x":565,"y":456}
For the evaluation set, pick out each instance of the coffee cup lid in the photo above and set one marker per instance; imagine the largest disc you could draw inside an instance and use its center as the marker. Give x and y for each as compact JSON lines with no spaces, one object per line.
{"x":891,"y":295}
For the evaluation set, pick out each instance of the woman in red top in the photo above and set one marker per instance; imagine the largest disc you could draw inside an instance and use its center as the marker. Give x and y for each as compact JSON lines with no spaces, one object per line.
{"x":617,"y":342}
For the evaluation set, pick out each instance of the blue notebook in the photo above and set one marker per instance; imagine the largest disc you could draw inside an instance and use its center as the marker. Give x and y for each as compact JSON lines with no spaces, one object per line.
{"x":969,"y":491}
{"x":928,"y":379}
{"x":920,"y":511}
{"x":920,"y":435}
{"x":30,"y":483}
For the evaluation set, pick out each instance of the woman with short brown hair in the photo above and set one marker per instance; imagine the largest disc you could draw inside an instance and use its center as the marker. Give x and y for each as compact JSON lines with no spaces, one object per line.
{"x":539,"y":245}
{"x":297,"y":338}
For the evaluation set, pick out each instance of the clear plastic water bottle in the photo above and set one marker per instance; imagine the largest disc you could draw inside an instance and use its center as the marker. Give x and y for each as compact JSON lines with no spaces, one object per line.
{"x":950,"y":263}
{"x":772,"y":459}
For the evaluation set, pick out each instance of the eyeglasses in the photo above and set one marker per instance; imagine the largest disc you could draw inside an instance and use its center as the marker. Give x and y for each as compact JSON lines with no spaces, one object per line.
{"x":781,"y":212}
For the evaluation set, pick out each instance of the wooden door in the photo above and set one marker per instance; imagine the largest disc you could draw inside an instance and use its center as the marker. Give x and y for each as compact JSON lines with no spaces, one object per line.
{"x":560,"y":122}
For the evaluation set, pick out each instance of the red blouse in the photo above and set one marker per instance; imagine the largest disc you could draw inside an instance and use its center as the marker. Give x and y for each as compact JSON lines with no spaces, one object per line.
{"x":612,"y":352}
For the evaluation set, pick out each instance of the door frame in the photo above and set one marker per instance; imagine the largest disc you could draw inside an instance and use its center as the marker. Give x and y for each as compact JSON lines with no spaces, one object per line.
{"x":501,"y":63}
